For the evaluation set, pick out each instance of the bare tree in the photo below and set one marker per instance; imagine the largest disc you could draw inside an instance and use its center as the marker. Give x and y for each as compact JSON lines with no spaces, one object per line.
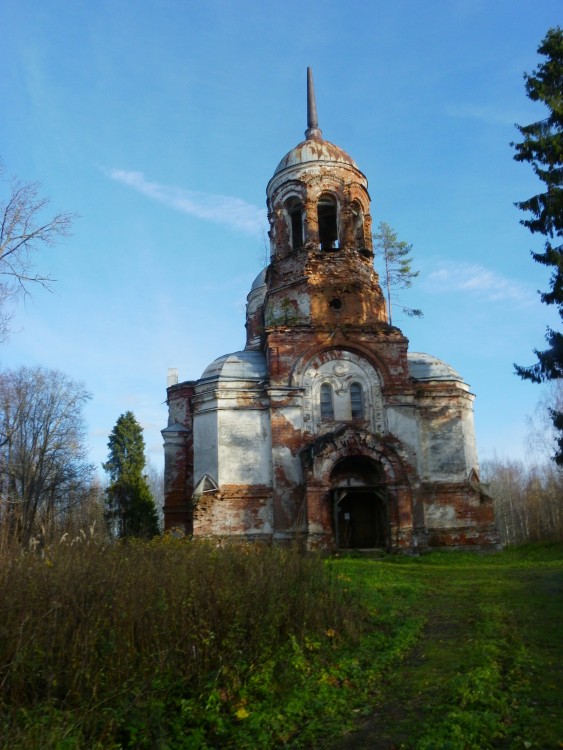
{"x":24,"y":229}
{"x":43,"y":457}
{"x":527,"y":499}
{"x":84,"y":514}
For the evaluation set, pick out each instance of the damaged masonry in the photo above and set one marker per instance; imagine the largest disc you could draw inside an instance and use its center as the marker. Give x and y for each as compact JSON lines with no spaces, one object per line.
{"x":325,"y":428}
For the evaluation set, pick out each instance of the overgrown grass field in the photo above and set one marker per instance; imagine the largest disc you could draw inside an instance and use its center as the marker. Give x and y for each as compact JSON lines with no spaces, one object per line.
{"x":176,"y":644}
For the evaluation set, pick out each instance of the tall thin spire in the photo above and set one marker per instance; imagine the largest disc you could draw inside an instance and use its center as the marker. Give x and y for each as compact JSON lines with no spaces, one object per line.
{"x":313,"y":132}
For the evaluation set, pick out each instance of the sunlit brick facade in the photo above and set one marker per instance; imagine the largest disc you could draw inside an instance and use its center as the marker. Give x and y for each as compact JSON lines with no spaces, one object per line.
{"x":325,"y":428}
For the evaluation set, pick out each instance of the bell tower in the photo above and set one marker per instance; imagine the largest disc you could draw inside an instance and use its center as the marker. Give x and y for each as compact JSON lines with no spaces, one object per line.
{"x":322,"y":285}
{"x":332,"y":357}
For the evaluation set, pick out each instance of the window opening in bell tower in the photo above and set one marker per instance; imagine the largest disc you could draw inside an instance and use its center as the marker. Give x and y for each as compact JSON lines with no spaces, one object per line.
{"x":295,"y":212}
{"x":327,"y":212}
{"x":358,"y":223}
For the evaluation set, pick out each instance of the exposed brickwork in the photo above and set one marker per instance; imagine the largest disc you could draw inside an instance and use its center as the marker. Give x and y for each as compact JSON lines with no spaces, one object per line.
{"x":178,"y":455}
{"x":401,"y":472}
{"x":234,"y":511}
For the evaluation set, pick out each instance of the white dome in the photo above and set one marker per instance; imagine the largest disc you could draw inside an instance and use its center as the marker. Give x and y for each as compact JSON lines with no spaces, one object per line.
{"x":245,"y":365}
{"x":426,"y":367}
{"x":260,"y":280}
{"x":314,"y":150}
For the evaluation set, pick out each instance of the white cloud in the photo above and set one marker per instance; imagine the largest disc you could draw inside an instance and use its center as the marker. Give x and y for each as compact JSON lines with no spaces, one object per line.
{"x":220,"y":209}
{"x":479,"y":281}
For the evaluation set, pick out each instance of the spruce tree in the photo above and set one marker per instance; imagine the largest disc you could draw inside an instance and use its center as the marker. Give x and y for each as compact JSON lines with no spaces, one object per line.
{"x":130,"y":508}
{"x":542,"y":147}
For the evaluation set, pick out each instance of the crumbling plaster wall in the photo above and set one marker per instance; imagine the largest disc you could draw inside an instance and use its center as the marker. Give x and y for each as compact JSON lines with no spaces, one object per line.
{"x":448,"y":450}
{"x":232,"y":435}
{"x":233,"y":445}
{"x":286,"y":416}
{"x":206,"y":447}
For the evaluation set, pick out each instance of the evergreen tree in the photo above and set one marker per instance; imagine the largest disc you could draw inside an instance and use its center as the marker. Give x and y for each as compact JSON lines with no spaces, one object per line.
{"x":130,"y":508}
{"x":397,"y":266}
{"x":542,"y":147}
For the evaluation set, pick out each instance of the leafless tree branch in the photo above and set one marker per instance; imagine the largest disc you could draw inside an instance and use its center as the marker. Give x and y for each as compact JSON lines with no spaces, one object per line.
{"x":24,"y":230}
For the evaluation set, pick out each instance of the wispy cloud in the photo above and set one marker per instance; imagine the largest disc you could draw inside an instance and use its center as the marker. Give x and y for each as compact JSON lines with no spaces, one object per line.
{"x":489,"y":114}
{"x":480,"y":282}
{"x":220,"y":209}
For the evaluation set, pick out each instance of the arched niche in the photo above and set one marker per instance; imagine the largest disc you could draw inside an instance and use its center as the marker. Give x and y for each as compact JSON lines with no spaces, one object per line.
{"x":344,"y":372}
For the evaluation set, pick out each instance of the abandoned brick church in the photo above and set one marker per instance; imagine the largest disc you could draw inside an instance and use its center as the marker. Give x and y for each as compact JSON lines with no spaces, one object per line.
{"x":325,"y":427}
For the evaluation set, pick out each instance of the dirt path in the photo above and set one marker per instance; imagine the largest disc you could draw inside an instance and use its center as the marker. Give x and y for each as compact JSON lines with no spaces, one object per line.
{"x":415,"y":690}
{"x":419,"y":694}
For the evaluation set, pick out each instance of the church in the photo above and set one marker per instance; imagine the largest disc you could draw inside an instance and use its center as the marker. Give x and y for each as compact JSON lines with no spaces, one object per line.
{"x":325,"y":429}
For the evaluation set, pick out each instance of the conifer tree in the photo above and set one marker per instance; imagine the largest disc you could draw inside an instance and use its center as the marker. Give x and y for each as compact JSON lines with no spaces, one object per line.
{"x":130,"y":508}
{"x":542,"y":147}
{"x":397,"y":266}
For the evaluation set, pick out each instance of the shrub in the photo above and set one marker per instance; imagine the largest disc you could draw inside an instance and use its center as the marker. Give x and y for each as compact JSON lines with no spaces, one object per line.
{"x":130,"y":643}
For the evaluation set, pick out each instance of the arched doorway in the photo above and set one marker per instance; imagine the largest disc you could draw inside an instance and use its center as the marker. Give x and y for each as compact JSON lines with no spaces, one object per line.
{"x":360,"y":504}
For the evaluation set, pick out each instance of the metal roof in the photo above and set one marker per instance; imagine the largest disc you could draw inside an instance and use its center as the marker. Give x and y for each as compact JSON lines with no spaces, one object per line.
{"x":315,"y":151}
{"x":244,"y":365}
{"x":426,"y":367}
{"x":260,"y":280}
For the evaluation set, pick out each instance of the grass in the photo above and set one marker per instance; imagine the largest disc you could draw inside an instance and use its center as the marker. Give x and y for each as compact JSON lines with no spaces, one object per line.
{"x":165,"y":644}
{"x":487,"y":670}
{"x":178,"y":645}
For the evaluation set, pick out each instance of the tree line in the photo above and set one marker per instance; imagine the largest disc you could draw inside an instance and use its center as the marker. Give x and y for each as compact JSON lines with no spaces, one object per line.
{"x":46,"y":479}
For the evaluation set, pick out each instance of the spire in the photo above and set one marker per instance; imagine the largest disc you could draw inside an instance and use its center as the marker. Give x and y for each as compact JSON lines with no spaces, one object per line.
{"x":313,"y":133}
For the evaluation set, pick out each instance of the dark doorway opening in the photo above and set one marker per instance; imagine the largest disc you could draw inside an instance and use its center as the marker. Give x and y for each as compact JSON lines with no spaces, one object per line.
{"x":360,"y":504}
{"x":361,"y":518}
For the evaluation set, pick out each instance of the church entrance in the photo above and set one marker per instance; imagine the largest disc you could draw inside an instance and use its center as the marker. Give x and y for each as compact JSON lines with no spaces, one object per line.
{"x":360,"y":504}
{"x":362,"y":521}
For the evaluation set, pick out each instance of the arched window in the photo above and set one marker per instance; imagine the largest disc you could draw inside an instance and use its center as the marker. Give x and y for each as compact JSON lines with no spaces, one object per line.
{"x":327,"y":406}
{"x":327,"y":213}
{"x":357,"y":401}
{"x":358,"y":222}
{"x":295,"y":213}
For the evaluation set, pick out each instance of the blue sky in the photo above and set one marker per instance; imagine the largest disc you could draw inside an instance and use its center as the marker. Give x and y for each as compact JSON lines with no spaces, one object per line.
{"x":160,"y":123}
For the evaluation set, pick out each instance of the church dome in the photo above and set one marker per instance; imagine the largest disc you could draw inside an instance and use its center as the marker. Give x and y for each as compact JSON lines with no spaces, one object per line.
{"x":245,"y":365}
{"x":259,"y":281}
{"x":426,"y":367}
{"x":315,"y":151}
